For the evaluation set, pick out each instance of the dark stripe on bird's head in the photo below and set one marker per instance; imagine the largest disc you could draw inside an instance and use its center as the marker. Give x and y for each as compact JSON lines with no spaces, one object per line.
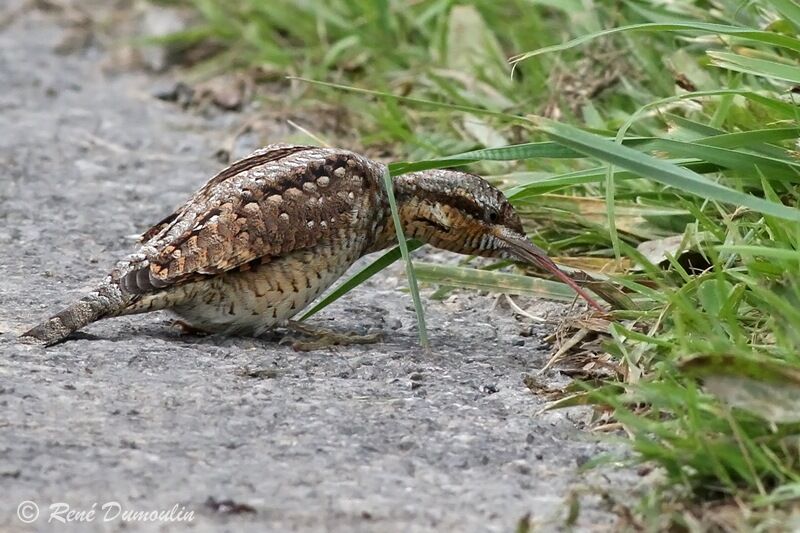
{"x":468,"y":193}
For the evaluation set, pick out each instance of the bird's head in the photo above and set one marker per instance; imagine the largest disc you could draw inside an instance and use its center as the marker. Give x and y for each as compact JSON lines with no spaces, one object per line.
{"x":463,"y":213}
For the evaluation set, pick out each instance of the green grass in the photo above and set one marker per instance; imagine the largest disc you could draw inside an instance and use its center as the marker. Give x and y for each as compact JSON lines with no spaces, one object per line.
{"x":601,"y":150}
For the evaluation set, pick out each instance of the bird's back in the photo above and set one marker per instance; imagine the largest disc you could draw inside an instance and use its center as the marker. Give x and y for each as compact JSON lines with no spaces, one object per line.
{"x":286,"y":214}
{"x":279,"y":200}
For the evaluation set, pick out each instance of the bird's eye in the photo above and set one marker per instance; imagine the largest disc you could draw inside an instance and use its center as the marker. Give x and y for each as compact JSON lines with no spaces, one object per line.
{"x":493,"y":216}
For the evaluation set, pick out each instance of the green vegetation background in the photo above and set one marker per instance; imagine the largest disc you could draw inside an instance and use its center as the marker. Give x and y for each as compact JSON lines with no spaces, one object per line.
{"x":651,"y":144}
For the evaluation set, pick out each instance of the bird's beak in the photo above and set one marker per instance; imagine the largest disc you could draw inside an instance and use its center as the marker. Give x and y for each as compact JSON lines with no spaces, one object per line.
{"x":526,"y":251}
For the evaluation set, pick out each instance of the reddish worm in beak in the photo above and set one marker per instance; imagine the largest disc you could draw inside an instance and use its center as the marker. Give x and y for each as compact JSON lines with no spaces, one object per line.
{"x":525,"y":250}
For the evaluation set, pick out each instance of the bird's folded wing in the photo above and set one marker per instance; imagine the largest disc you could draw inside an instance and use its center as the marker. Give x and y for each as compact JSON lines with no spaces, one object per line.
{"x":269,"y":204}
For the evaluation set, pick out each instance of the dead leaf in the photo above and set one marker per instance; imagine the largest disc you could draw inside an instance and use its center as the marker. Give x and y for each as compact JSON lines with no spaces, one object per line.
{"x":764,"y":387}
{"x":602,"y":265}
{"x":472,"y":46}
{"x":483,"y":133}
{"x":658,"y":251}
{"x":629,"y":217}
{"x":229,"y":91}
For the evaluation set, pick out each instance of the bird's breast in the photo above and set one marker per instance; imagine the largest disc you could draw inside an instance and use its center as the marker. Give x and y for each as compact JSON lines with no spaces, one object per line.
{"x":252,"y":299}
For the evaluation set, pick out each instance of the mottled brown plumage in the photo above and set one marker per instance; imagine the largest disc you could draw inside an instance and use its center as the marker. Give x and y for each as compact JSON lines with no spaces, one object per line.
{"x":268,"y":234}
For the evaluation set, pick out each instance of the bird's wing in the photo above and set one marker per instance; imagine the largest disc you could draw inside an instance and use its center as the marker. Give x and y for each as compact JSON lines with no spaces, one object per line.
{"x":278,"y":200}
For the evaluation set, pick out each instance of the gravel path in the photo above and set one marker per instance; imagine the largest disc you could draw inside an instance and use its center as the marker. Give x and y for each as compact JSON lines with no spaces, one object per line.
{"x":245,"y":434}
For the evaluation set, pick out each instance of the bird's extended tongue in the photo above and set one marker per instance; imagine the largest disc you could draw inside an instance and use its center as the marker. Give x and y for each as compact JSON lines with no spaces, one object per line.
{"x":529,"y":252}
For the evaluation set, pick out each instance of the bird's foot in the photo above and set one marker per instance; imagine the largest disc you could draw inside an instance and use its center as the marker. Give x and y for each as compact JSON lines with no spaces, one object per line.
{"x":323,"y":337}
{"x":184,"y":328}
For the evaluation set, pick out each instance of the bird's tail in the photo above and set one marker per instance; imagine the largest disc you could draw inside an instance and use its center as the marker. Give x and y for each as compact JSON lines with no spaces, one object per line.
{"x":106,"y":300}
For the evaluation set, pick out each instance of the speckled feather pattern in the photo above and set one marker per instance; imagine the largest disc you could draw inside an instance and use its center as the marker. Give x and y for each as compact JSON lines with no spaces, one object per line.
{"x":264,"y":237}
{"x":250,"y":249}
{"x":255,"y":245}
{"x":283,"y":199}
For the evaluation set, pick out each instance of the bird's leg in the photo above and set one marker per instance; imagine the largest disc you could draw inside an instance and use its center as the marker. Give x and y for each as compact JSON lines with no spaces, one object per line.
{"x":323,"y":337}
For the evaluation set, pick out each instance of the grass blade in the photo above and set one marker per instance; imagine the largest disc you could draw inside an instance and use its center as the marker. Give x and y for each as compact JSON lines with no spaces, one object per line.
{"x":660,"y":171}
{"x":471,"y":278}
{"x":754,"y":66}
{"x":408,"y":99}
{"x":361,"y":276}
{"x":749,"y":34}
{"x":403,"y":245}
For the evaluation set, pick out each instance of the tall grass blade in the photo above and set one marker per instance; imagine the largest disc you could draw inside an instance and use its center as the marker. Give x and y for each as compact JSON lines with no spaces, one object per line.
{"x":764,"y":37}
{"x":663,"y":172}
{"x":361,"y":276}
{"x":404,"y":251}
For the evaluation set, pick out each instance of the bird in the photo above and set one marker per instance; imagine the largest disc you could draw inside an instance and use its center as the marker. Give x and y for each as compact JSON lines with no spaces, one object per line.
{"x":268,"y":234}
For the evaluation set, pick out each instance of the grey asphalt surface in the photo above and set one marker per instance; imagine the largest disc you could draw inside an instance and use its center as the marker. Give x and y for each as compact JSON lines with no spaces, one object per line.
{"x":367,"y":438}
